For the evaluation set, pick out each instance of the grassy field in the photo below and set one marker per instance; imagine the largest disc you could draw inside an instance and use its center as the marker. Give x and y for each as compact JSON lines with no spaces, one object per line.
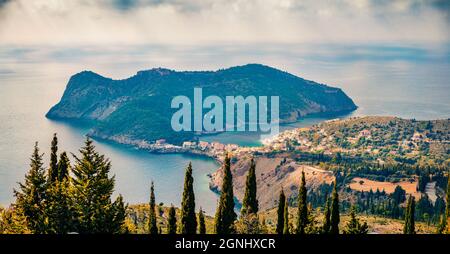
{"x":364,"y":184}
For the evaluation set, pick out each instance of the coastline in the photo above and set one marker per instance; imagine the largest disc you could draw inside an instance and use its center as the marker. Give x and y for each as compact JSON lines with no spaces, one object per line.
{"x":281,"y":142}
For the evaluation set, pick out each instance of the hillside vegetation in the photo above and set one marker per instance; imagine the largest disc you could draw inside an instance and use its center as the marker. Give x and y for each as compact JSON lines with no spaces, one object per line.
{"x":139,"y":108}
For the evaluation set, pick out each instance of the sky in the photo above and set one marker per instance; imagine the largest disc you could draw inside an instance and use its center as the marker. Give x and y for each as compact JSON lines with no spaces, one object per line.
{"x":72,"y":23}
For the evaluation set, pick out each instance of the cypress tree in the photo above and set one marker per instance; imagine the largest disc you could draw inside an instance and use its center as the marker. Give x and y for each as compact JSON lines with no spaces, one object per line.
{"x":327,"y":218}
{"x":53,"y":170}
{"x":201,"y":222}
{"x":225,"y":215}
{"x":334,"y":218}
{"x":188,"y":217}
{"x":407,"y":217}
{"x":250,"y":203}
{"x":92,"y":189}
{"x":31,"y":199}
{"x":409,"y":227}
{"x":447,"y":200}
{"x":172,"y":221}
{"x":152,"y":228}
{"x":286,"y":219}
{"x":280,"y":212}
{"x":302,"y":214}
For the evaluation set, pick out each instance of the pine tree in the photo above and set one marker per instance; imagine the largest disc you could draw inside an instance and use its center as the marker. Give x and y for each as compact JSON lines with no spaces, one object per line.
{"x":13,"y":222}
{"x":250,"y":203}
{"x":409,"y":227}
{"x":327,"y":218}
{"x":201,"y":222}
{"x":59,"y":208}
{"x":302,"y":213}
{"x":172,"y":221}
{"x":116,"y":215}
{"x":280,"y":212}
{"x":354,"y":226}
{"x":188,"y":217}
{"x":53,"y":170}
{"x":225,"y":215}
{"x":63,"y":167}
{"x":31,"y":199}
{"x":286,"y":227}
{"x":92,"y":190}
{"x":152,"y":228}
{"x":334,"y":218}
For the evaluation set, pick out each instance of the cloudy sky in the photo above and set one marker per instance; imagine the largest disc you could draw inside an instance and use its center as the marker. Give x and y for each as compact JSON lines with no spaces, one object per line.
{"x":423,"y":23}
{"x":398,"y":50}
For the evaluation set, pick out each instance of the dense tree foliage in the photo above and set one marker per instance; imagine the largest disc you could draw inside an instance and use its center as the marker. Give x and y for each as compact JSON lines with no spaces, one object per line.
{"x":13,"y":222}
{"x":354,"y":226}
{"x":60,"y":211}
{"x":51,"y":201}
{"x":92,"y":190}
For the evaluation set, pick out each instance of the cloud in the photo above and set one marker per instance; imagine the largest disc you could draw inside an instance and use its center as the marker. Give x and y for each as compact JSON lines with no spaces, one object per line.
{"x":210,"y":22}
